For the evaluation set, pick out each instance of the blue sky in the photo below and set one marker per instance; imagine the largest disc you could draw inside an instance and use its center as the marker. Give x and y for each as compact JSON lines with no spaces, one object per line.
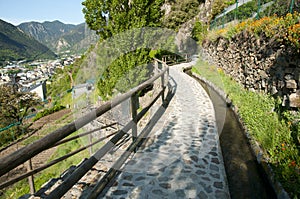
{"x":19,"y":11}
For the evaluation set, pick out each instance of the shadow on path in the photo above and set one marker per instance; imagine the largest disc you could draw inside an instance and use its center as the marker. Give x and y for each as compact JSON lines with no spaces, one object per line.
{"x":183,"y":159}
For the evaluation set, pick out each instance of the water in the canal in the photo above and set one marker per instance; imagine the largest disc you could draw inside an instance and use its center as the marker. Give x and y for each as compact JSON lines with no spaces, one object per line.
{"x":245,"y":178}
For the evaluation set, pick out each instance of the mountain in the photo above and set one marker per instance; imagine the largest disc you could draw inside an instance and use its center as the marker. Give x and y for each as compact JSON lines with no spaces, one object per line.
{"x":16,"y":45}
{"x":61,"y":37}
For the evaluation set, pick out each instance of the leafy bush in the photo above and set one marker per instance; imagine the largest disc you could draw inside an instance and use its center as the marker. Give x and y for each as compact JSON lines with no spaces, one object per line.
{"x":124,"y":73}
{"x":199,"y":31}
{"x":9,"y":135}
{"x":48,"y":112}
{"x":181,"y":12}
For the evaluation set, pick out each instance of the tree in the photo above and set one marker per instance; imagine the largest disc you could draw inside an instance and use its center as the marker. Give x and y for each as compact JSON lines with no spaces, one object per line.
{"x":120,"y":25}
{"x":14,"y":106}
{"x":199,"y":31}
{"x":108,"y":18}
{"x":181,"y":12}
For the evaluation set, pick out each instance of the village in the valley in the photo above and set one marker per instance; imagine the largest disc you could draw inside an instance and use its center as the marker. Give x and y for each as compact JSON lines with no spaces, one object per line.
{"x":33,"y":76}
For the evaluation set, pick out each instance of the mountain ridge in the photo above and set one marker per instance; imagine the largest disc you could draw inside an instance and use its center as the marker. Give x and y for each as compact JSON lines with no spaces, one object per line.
{"x":16,"y":45}
{"x":61,"y":37}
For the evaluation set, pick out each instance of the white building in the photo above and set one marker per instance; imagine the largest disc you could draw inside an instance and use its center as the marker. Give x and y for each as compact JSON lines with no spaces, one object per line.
{"x":40,"y":90}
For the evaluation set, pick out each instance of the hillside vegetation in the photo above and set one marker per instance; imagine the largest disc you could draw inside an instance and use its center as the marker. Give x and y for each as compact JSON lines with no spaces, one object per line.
{"x":285,"y":29}
{"x":274,"y":127}
{"x":181,"y":12}
{"x":15,"y":45}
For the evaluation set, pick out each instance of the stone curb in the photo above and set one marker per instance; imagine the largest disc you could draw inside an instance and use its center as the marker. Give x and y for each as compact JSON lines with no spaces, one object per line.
{"x":256,"y":149}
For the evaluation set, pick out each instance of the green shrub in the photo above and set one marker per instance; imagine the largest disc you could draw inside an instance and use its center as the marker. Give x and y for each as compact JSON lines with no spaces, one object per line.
{"x":181,"y":12}
{"x":46,"y":112}
{"x":199,"y":31}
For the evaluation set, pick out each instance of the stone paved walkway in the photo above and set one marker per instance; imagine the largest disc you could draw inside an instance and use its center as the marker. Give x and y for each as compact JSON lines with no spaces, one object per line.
{"x":184,"y":160}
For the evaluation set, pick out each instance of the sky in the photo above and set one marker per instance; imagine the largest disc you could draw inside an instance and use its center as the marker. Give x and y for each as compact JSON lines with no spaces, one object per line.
{"x":19,"y":11}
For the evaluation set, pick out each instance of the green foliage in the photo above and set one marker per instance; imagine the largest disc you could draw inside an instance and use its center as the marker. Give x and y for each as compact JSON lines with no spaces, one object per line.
{"x":10,"y":135}
{"x":199,"y":31}
{"x":123,"y":15}
{"x":121,"y":62}
{"x":14,"y":106}
{"x":278,"y":8}
{"x":124,"y":52}
{"x":16,"y":45}
{"x":218,"y":6}
{"x":292,"y":118}
{"x":181,"y":12}
{"x":60,"y":83}
{"x":243,"y":12}
{"x":284,"y":29}
{"x":126,"y":72}
{"x":48,"y":112}
{"x":275,"y":135}
{"x":63,"y":80}
{"x":281,"y":8}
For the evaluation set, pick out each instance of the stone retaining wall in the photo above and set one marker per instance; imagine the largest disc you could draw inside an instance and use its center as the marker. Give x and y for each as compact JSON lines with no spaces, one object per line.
{"x":260,"y":64}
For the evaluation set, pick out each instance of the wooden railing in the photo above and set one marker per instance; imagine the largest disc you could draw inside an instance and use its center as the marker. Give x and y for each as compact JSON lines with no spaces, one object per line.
{"x":175,"y":59}
{"x":58,"y":137}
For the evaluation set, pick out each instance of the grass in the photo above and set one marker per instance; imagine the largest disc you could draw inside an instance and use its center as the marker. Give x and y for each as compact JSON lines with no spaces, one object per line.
{"x":22,"y":187}
{"x":267,"y":127}
{"x":54,"y":171}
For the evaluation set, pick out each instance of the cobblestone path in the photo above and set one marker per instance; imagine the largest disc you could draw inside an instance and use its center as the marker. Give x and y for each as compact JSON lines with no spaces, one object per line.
{"x":184,"y":160}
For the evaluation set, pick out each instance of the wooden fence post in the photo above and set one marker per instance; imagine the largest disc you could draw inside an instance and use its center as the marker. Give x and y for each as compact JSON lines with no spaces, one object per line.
{"x":30,"y":178}
{"x":134,"y":108}
{"x":90,"y":142}
{"x":163,"y":87}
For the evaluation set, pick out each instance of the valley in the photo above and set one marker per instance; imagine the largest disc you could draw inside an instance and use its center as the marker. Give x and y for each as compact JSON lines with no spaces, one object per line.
{"x":43,"y":41}
{"x":33,"y":76}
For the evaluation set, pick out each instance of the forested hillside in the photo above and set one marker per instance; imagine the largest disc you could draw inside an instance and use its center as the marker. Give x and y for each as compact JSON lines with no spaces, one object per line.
{"x":16,"y":45}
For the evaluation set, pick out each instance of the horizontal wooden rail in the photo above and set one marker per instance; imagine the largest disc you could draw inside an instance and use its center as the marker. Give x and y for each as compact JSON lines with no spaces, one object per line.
{"x":21,"y":139}
{"x":88,"y":164}
{"x":99,"y":187}
{"x":24,"y":154}
{"x":53,"y":162}
{"x":58,"y":137}
{"x":84,"y":134}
